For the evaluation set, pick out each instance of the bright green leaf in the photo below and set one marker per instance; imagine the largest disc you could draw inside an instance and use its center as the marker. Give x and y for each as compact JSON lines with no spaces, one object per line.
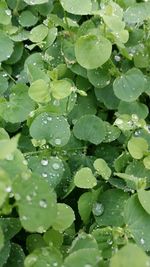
{"x":90,"y":128}
{"x":137,"y":146}
{"x":102,"y":168}
{"x":84,"y":178}
{"x":65,"y":217}
{"x":92,"y":51}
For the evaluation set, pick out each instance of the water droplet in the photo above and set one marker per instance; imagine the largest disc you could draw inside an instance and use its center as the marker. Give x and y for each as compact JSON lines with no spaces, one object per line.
{"x":55,"y":166}
{"x":44,"y":174}
{"x":24,"y":218}
{"x":10,"y":157}
{"x":28,"y":198}
{"x":87,"y":265}
{"x":44,"y":162}
{"x":8,"y":189}
{"x":31,"y":260}
{"x":142,"y":241}
{"x":49,"y":118}
{"x":8,"y":12}
{"x":58,"y":141}
{"x":117,"y":58}
{"x":55,"y":264}
{"x":98,"y":209}
{"x":41,"y":229}
{"x":43,"y":203}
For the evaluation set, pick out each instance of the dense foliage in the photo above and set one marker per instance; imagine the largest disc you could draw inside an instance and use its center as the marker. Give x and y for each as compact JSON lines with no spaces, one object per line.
{"x":74,"y":133}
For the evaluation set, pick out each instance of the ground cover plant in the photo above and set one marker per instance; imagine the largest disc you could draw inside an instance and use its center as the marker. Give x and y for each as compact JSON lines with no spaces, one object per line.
{"x":74,"y":133}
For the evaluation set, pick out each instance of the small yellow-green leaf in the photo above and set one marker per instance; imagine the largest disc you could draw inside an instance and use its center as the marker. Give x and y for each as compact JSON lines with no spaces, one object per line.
{"x":65,"y":217}
{"x":102,"y":168}
{"x":39,"y":91}
{"x":61,"y":88}
{"x":137,"y":146}
{"x":84,"y":178}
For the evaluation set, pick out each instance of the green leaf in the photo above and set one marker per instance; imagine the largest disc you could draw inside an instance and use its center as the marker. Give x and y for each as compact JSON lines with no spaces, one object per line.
{"x":135,"y":107}
{"x":90,"y":128}
{"x":8,"y":147}
{"x":61,"y":88}
{"x":5,"y":251}
{"x":137,"y":147}
{"x":10,"y":227}
{"x":43,"y":257}
{"x":49,"y":168}
{"x":144,"y":197}
{"x":5,"y":14}
{"x":127,"y":256}
{"x":137,"y":13}
{"x":83,"y":7}
{"x":36,"y":203}
{"x":35,"y":2}
{"x":138,"y":221}
{"x":53,"y":237}
{"x":99,"y":77}
{"x":39,"y":91}
{"x":82,"y":258}
{"x":6,"y":46}
{"x":17,"y":256}
{"x":38,"y":33}
{"x":34,"y":241}
{"x":146,"y":162}
{"x":19,"y":105}
{"x":102,"y":168}
{"x":113,"y":201}
{"x":85,"y":204}
{"x":81,"y":109}
{"x":45,"y":127}
{"x":65,"y":217}
{"x":27,"y":19}
{"x":91,"y":51}
{"x":83,"y":241}
{"x":84,"y":178}
{"x":129,"y":86}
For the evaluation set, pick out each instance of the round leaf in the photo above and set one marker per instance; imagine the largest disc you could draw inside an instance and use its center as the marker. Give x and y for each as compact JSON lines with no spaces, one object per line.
{"x":45,"y":256}
{"x":78,"y":7}
{"x":54,"y":129}
{"x":90,"y":128}
{"x":27,"y":19}
{"x":38,"y":33}
{"x":91,"y":51}
{"x":84,"y":178}
{"x":83,"y":258}
{"x":113,"y":202}
{"x":144,"y":198}
{"x":36,"y":203}
{"x":137,"y":146}
{"x":127,"y":256}
{"x":102,"y":168}
{"x":61,"y":88}
{"x":138,"y":221}
{"x":129,"y":86}
{"x":39,"y":91}
{"x":65,"y":217}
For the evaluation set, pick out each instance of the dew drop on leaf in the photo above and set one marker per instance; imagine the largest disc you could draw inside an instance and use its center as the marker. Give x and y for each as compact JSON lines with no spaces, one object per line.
{"x":43,"y":203}
{"x":58,"y":141}
{"x":55,"y":166}
{"x":98,"y":209}
{"x":44,"y":162}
